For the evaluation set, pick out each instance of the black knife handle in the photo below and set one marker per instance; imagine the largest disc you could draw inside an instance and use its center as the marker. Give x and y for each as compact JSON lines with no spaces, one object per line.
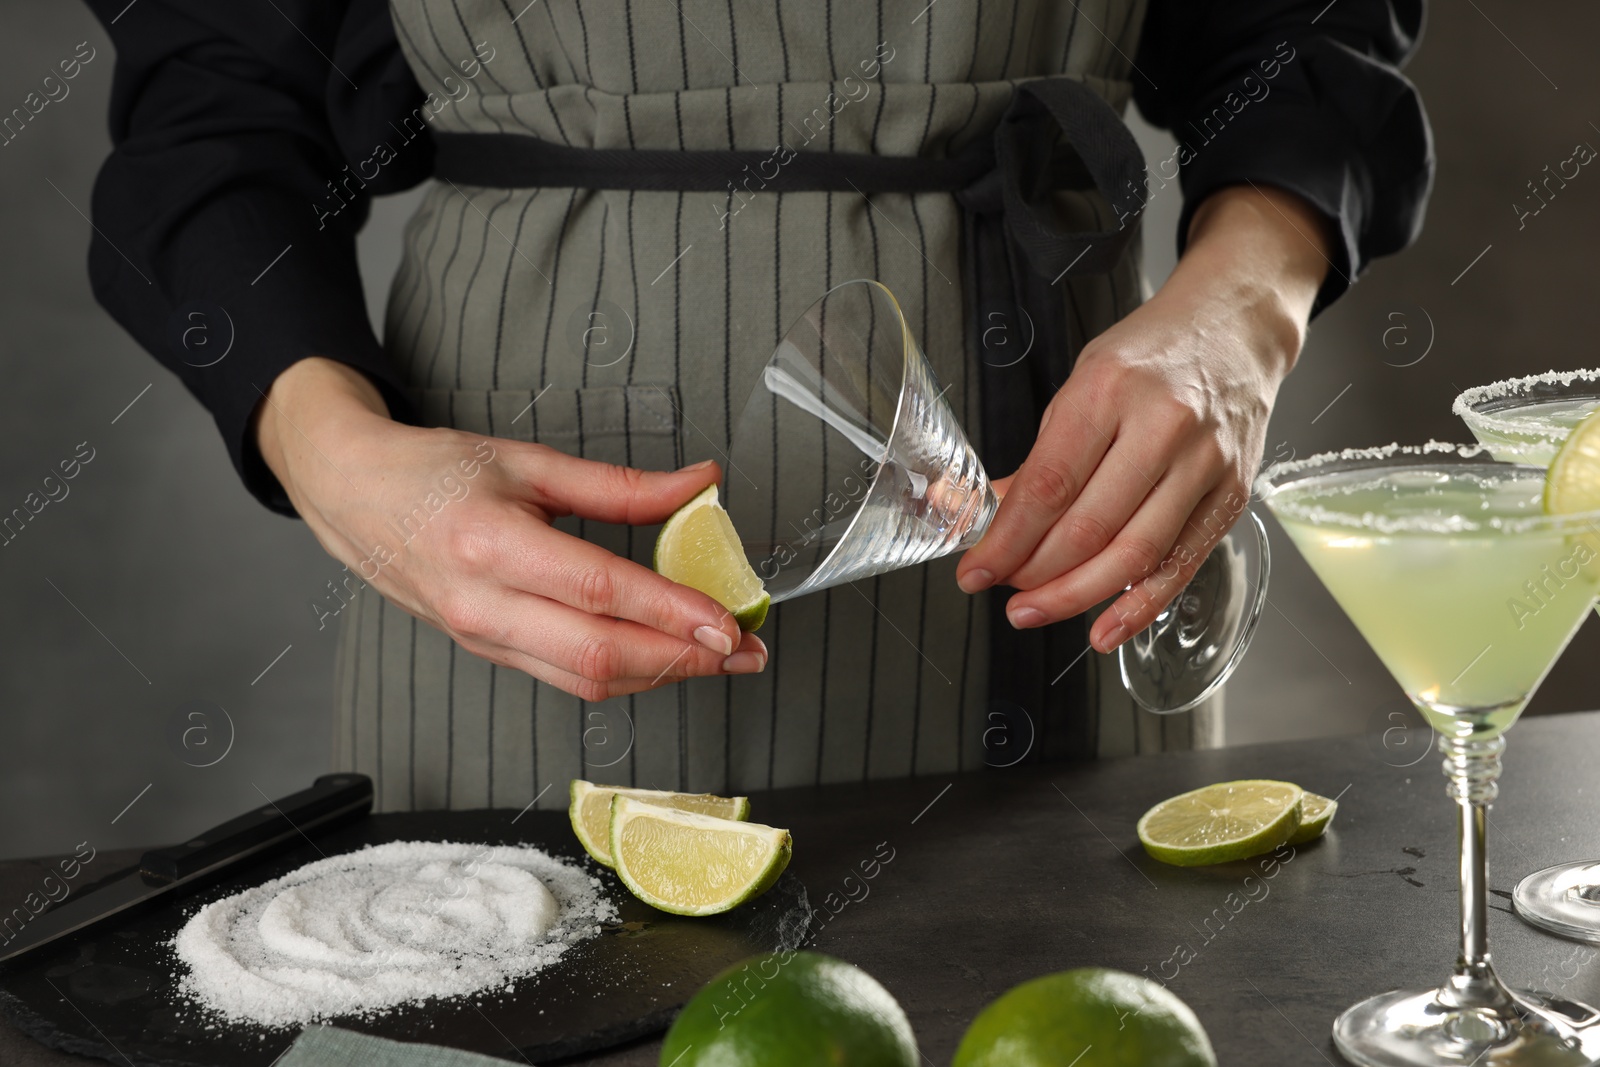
{"x":333,"y":797}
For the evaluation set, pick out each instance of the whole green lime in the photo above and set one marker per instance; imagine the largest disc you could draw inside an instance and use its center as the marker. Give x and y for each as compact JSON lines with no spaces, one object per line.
{"x":791,"y":1009}
{"x":1091,"y":1017}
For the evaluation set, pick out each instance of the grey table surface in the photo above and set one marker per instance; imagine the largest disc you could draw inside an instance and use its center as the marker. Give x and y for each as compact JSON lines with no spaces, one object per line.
{"x":1004,"y":874}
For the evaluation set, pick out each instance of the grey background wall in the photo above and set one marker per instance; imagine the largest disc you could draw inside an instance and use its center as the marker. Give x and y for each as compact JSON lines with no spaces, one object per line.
{"x":158,"y":588}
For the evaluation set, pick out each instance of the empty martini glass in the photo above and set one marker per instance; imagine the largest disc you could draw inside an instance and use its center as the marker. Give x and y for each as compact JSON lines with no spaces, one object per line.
{"x":1423,"y":547}
{"x":1537,"y":413}
{"x":847,"y":462}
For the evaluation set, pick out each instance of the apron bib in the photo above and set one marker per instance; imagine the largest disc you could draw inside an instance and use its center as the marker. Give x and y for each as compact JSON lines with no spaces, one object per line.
{"x":628,"y":326}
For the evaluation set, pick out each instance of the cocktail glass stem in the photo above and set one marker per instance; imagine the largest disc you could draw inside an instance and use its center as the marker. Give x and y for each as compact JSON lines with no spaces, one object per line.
{"x":970,"y":513}
{"x":1472,"y":767}
{"x":1472,"y":1018}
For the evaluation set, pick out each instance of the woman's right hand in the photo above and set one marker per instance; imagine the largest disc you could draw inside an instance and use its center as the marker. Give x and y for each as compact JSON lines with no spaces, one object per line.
{"x":483,"y":562}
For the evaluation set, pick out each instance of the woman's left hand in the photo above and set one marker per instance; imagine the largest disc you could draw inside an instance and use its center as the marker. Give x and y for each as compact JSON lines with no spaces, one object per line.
{"x":1144,"y":458}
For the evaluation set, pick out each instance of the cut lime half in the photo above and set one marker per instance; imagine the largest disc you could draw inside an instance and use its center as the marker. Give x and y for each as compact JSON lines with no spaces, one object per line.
{"x":1222,"y":822}
{"x":699,"y":547}
{"x":590,"y":811}
{"x":693,"y":864}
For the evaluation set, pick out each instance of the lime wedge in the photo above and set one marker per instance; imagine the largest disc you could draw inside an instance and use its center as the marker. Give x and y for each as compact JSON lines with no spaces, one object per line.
{"x":1316,"y":812}
{"x":693,"y":864}
{"x":1223,"y":822}
{"x":590,"y":811}
{"x":1572,"y":484}
{"x":698,"y":547}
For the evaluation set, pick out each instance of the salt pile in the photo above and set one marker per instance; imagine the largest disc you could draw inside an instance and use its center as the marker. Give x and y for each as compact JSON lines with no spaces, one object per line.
{"x":365,"y":931}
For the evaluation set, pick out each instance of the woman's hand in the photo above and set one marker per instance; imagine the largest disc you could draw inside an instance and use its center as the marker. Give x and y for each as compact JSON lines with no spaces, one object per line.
{"x":1144,"y":459}
{"x":487,"y":567}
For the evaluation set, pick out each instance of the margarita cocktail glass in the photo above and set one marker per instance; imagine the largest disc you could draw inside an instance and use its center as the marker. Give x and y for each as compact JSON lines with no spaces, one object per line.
{"x":847,"y":462}
{"x":1423,"y":547}
{"x":1533,"y":414}
{"x":1537,"y":413}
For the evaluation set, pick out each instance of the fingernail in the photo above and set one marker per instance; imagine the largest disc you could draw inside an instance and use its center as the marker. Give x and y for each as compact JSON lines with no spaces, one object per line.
{"x":975,"y":580}
{"x":745,"y":662}
{"x":1113,"y":637}
{"x":1025,"y":618}
{"x":702,"y":465}
{"x":714,"y":639}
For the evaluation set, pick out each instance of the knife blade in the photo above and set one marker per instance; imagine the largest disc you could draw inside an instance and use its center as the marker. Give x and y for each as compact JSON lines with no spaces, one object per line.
{"x":332,"y":798}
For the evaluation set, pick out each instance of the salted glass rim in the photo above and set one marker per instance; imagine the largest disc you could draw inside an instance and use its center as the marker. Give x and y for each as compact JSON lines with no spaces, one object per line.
{"x":1465,"y":405}
{"x":1279,"y":476}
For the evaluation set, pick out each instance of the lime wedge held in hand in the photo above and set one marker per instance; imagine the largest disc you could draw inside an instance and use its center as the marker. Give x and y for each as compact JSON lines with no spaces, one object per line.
{"x":1222,"y":822}
{"x":698,"y":547}
{"x":1316,"y":812}
{"x":1572,"y":484}
{"x":590,"y":811}
{"x":693,"y":864}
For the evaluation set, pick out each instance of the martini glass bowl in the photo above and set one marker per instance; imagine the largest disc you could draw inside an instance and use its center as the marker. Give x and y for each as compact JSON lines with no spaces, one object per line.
{"x":847,"y":462}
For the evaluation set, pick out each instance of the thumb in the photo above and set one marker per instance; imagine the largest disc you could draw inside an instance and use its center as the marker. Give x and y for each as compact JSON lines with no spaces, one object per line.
{"x":607,"y":492}
{"x":1001,"y":485}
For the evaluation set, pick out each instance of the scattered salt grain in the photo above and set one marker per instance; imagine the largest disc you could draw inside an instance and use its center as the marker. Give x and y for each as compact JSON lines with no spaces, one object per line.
{"x":359,"y":933}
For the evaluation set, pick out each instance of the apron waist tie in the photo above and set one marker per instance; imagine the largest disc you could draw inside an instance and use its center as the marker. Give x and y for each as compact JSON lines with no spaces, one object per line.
{"x":1014,"y":252}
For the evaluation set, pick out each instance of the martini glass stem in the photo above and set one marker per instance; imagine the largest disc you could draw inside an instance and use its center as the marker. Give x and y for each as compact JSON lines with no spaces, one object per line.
{"x":1473,"y":769}
{"x":980,"y":509}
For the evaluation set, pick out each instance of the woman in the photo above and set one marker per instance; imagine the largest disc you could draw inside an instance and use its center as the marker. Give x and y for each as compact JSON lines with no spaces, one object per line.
{"x":552,"y":347}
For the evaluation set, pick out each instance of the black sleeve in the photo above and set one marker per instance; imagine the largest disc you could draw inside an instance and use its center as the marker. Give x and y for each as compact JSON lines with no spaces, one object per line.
{"x":227,"y":211}
{"x":1305,"y":96}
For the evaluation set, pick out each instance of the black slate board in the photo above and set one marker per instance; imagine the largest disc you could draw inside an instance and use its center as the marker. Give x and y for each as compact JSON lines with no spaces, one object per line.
{"x":112,"y":992}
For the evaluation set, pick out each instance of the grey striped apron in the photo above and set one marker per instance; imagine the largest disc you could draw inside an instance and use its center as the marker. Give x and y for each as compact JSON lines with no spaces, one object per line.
{"x":627,"y":326}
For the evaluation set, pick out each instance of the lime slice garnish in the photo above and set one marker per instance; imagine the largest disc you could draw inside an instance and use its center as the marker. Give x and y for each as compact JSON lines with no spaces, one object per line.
{"x":693,"y":864}
{"x":1316,"y":812}
{"x":698,"y":547}
{"x":1572,"y":484}
{"x":1218,"y":823}
{"x":590,"y":811}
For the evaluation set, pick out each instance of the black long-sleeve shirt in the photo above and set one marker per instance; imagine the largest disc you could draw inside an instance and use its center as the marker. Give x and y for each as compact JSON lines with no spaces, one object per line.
{"x":1306,"y":96}
{"x":225,"y":126}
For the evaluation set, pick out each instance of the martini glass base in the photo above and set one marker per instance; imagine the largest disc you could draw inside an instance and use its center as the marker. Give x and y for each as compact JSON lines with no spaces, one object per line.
{"x":1564,"y":900}
{"x":1421,"y":1028}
